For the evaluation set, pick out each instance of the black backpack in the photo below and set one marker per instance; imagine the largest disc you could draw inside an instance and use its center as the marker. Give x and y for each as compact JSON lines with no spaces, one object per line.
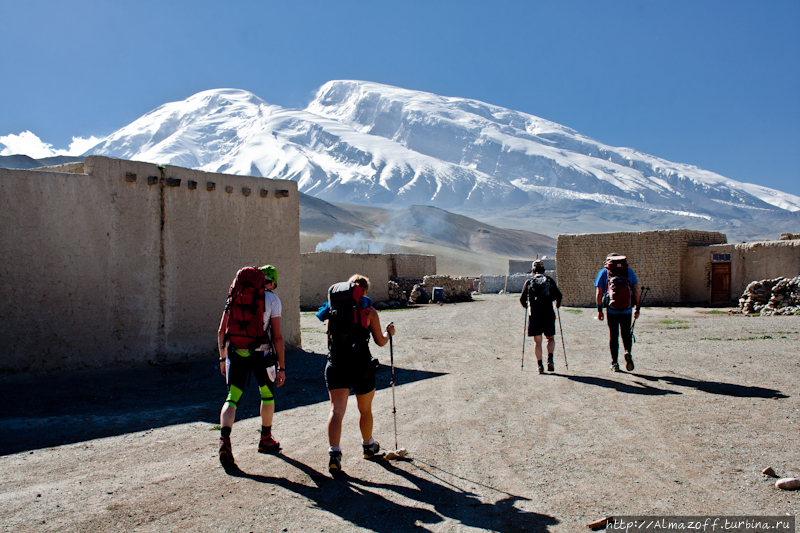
{"x":344,"y":315}
{"x":539,"y":290}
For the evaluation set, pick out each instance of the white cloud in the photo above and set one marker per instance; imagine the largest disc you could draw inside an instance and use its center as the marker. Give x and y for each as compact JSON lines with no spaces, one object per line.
{"x":80,"y":145}
{"x":27,"y":143}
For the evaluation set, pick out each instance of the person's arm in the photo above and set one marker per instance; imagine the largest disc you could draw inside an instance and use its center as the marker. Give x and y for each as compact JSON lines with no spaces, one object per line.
{"x":599,"y":301}
{"x":636,"y":301}
{"x":523,"y":297}
{"x":380,"y":337}
{"x":557,"y":292}
{"x":223,"y":325}
{"x":277,"y":345}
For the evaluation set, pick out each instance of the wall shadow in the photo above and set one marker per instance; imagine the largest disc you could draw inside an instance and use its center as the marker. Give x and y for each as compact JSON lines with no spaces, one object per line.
{"x":360,"y":502}
{"x":43,"y":410}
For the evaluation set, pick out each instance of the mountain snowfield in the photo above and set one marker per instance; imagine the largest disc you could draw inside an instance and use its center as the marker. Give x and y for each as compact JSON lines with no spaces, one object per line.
{"x":372,"y":144}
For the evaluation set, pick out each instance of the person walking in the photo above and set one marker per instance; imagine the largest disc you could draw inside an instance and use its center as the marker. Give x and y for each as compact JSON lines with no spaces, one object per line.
{"x":248,"y":342}
{"x":540,"y":291}
{"x":351,"y":320}
{"x":617,"y":290}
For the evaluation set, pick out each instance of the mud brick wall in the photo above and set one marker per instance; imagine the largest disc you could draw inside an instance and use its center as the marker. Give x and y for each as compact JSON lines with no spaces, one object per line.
{"x":411,"y":266}
{"x":655,"y":256}
{"x":518,"y":266}
{"x":320,"y":270}
{"x":122,"y":262}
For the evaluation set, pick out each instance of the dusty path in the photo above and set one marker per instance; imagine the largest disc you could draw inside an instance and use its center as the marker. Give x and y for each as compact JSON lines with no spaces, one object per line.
{"x":712,"y":402}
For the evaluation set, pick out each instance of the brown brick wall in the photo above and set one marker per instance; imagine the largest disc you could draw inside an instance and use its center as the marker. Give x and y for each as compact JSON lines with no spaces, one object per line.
{"x":655,"y":256}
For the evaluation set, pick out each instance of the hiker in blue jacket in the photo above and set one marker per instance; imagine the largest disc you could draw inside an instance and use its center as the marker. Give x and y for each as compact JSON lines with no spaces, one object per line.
{"x":540,"y":292}
{"x":617,"y":289}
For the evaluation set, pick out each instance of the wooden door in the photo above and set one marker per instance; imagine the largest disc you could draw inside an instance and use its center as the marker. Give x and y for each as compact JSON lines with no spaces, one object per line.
{"x":720,"y":282}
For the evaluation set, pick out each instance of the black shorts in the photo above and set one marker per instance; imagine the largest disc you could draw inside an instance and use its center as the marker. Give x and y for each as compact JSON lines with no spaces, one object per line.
{"x":257,"y":362}
{"x":356,"y":375}
{"x":542,"y":324}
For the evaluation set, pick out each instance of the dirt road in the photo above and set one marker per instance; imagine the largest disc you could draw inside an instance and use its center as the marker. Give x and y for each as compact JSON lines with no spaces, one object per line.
{"x":712,"y":402}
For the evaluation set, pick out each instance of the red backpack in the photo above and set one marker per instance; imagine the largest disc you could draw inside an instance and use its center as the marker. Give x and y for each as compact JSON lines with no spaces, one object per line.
{"x":618,"y":289}
{"x":246,"y":305}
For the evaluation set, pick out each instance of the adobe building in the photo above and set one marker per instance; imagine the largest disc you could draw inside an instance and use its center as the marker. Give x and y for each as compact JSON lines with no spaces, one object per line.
{"x":112,"y":262}
{"x":679,"y":266}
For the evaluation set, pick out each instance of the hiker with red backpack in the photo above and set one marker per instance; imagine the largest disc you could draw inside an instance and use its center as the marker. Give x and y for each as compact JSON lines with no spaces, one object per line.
{"x":351,"y":319}
{"x":617,"y":289}
{"x":250,"y":339}
{"x":540,"y":291}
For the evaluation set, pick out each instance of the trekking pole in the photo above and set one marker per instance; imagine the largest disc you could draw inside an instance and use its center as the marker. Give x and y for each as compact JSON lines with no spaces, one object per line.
{"x":524,"y":333}
{"x":391,"y":359}
{"x":641,"y":299}
{"x":562,"y":338}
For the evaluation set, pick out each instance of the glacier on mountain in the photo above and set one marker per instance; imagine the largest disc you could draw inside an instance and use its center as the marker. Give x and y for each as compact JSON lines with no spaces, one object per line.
{"x":373,"y":144}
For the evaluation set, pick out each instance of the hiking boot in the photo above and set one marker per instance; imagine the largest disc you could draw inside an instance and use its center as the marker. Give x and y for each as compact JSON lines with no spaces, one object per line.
{"x":628,"y":362}
{"x":335,"y":462}
{"x":370,"y":450}
{"x":550,"y":366}
{"x":225,"y":452}
{"x":268,"y":445}
{"x":541,"y":368}
{"x":614,"y":366}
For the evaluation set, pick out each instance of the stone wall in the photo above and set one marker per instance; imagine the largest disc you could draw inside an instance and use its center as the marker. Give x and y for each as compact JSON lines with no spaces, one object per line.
{"x":129,"y":262}
{"x":749,"y":262}
{"x":513,"y":283}
{"x":455,"y":289}
{"x":655,"y":256}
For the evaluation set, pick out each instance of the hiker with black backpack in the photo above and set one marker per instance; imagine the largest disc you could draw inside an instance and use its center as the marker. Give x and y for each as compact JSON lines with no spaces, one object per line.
{"x":617,"y":290}
{"x":351,"y":319}
{"x":250,"y":340}
{"x":540,"y":291}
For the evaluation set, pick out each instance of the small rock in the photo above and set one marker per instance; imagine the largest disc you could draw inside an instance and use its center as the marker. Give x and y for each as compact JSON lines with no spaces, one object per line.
{"x":788,"y":483}
{"x":769,"y":472}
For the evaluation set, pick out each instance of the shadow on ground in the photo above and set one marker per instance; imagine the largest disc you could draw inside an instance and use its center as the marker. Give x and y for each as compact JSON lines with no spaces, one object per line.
{"x":360,"y":501}
{"x":62,"y":408}
{"x":710,"y":387}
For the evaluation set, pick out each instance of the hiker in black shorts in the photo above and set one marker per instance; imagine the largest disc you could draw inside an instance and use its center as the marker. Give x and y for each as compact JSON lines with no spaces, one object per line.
{"x":541,"y":291}
{"x":350,"y":366}
{"x":265,"y":361}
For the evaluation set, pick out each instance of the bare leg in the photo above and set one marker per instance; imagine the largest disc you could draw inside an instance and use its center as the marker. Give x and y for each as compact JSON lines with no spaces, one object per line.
{"x":227,"y":415}
{"x":365,"y":409}
{"x":537,"y":339}
{"x":338,"y":406}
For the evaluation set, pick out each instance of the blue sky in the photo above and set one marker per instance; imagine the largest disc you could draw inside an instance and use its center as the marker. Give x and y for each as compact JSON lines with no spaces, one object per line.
{"x":709,"y":83}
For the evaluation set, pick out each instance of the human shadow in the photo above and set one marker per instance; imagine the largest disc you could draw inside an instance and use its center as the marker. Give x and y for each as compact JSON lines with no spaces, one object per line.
{"x":464,"y":506}
{"x":361,"y":503}
{"x":43,"y":410}
{"x":717,"y":387}
{"x":627,"y":388}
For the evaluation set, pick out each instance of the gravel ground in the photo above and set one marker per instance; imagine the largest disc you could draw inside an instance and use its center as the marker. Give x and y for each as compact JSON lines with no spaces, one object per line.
{"x":712,"y":402}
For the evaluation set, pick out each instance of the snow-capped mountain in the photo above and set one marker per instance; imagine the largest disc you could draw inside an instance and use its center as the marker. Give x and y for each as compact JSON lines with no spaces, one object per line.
{"x":373,"y":144}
